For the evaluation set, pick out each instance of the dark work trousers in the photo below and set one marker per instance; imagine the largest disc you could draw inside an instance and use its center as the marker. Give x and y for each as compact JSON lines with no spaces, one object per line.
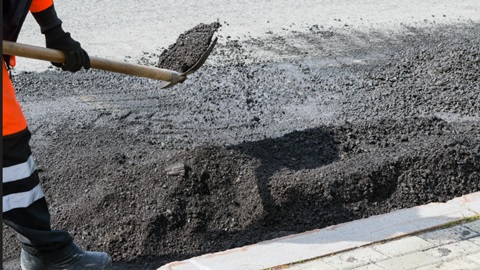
{"x":24,"y":205}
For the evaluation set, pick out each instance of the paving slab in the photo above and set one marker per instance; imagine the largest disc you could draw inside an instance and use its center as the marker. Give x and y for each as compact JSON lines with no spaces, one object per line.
{"x":454,"y":250}
{"x":475,"y":240}
{"x":457,"y":264}
{"x":350,"y":238}
{"x":474,"y":226}
{"x":409,"y":261}
{"x":475,"y":257}
{"x":366,"y":267}
{"x":408,"y":244}
{"x":314,"y":265}
{"x":355,"y":258}
{"x":449,"y":235}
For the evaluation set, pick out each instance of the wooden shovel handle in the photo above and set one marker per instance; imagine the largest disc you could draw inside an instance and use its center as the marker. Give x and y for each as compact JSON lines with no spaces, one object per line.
{"x":39,"y":53}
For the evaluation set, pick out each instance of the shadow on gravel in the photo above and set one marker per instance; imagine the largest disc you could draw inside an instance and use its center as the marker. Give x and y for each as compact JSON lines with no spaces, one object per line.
{"x":296,"y":151}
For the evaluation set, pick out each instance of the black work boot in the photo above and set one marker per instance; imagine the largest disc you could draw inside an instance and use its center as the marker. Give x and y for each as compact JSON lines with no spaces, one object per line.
{"x":69,"y":258}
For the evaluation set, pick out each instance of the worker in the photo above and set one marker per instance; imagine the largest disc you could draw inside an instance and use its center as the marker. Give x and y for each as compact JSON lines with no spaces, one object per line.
{"x":24,"y":204}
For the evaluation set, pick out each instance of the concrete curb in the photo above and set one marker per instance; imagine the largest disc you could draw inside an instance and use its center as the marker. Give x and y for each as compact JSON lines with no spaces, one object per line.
{"x":337,"y":238}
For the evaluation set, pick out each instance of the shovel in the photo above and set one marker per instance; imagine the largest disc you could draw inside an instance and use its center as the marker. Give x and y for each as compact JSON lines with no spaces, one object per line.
{"x":168,"y":77}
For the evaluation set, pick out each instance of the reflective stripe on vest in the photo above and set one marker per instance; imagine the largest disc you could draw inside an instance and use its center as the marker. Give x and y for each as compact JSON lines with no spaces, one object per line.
{"x":19,"y":171}
{"x":23,"y":199}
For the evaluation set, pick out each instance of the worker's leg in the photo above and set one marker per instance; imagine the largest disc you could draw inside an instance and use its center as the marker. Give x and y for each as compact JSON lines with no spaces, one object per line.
{"x":24,"y":206}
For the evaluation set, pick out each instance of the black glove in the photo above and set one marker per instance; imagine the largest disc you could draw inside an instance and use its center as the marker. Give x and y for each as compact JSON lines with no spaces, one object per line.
{"x":75,"y":56}
{"x":56,"y":38}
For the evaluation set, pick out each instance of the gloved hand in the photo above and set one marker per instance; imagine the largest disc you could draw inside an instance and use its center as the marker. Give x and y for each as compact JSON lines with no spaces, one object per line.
{"x":56,"y":38}
{"x":75,"y":56}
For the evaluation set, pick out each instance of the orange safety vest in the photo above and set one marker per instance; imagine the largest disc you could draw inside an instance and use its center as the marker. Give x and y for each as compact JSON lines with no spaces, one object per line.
{"x":13,"y":120}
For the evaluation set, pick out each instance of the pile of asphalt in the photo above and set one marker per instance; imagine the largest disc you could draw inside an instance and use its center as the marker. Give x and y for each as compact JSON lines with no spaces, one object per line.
{"x":251,"y":150}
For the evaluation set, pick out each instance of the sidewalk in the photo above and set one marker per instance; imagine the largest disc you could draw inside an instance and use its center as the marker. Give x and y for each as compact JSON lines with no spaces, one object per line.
{"x":433,"y":236}
{"x":456,"y":247}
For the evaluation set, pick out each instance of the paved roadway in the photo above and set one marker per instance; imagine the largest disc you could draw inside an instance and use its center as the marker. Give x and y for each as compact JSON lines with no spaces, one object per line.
{"x":119,"y":28}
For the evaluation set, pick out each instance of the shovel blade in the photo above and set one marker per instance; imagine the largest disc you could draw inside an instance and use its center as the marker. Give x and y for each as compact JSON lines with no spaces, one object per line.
{"x":193,"y":68}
